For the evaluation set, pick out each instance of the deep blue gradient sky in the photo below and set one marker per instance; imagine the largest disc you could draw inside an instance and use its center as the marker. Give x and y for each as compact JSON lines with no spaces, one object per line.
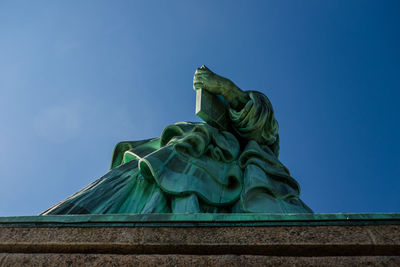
{"x":76,"y":77}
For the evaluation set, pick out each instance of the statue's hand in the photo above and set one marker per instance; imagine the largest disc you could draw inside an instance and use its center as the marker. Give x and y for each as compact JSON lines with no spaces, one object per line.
{"x":204,"y":78}
{"x":218,"y":85}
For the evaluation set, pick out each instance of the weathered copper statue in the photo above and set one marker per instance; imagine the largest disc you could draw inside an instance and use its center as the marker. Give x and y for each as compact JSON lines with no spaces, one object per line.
{"x":228,"y":164}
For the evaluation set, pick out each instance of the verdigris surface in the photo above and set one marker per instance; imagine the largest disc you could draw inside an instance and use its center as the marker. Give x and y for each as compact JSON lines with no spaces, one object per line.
{"x":227,"y":164}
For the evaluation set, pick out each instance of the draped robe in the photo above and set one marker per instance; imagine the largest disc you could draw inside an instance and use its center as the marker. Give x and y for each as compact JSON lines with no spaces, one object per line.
{"x":194,"y":167}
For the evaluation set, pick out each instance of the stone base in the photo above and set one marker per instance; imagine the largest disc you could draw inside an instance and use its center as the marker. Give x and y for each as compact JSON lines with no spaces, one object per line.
{"x":200,"y":240}
{"x":189,"y":260}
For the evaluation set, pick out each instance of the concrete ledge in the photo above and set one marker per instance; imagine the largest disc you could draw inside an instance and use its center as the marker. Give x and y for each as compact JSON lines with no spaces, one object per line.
{"x":202,"y":219}
{"x":278,"y":241}
{"x":188,"y":260}
{"x":101,"y":239}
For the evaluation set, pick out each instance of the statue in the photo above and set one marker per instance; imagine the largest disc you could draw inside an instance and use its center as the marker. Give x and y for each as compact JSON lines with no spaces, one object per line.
{"x":228,"y":164}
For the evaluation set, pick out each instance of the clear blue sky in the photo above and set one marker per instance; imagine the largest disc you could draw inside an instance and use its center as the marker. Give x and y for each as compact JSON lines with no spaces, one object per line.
{"x":76,"y":77}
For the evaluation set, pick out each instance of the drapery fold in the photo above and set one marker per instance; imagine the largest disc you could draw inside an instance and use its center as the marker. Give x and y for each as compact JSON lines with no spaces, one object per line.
{"x":194,"y":167}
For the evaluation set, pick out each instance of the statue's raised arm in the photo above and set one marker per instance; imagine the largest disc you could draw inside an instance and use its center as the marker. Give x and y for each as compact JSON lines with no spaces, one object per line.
{"x":250,"y":113}
{"x":199,"y":167}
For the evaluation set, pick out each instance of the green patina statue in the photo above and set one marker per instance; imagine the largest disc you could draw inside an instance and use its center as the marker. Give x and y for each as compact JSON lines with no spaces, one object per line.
{"x":227,"y":164}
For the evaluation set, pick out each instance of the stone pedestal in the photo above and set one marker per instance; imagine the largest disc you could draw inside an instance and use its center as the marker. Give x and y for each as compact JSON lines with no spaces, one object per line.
{"x":201,"y":239}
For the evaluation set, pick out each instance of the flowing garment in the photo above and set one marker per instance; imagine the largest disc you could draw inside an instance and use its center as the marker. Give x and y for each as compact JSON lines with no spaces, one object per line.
{"x":193,"y":168}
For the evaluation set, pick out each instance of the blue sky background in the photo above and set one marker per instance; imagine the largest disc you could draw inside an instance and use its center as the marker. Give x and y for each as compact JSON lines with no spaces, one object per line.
{"x":76,"y":77}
